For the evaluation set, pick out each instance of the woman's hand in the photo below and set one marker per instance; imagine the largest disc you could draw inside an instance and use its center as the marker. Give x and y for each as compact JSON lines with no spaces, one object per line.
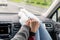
{"x":33,"y":24}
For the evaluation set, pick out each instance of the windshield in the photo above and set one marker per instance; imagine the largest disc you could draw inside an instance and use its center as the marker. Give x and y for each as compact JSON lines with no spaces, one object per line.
{"x":38,"y":6}
{"x":34,"y":6}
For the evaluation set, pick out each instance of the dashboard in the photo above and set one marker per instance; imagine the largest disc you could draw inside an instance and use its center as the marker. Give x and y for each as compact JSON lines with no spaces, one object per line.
{"x":9,"y":25}
{"x":48,"y":23}
{"x":8,"y":29}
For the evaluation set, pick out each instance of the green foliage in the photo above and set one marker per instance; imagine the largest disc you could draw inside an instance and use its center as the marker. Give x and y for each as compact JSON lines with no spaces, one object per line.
{"x":35,"y":2}
{"x":16,"y":0}
{"x":40,"y":2}
{"x":32,"y":2}
{"x":27,"y":1}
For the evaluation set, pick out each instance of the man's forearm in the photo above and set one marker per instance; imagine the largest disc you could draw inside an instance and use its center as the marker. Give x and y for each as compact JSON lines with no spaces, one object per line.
{"x":22,"y":34}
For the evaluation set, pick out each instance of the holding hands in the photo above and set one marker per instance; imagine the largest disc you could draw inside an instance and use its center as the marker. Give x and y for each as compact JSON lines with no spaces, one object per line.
{"x":33,"y":24}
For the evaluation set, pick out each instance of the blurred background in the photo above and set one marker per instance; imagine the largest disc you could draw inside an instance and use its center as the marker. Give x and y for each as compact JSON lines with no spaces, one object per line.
{"x":40,"y":3}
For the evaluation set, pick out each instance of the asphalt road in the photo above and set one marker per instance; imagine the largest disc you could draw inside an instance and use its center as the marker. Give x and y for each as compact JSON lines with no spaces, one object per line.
{"x":33,"y":9}
{"x":9,"y":8}
{"x":15,"y":7}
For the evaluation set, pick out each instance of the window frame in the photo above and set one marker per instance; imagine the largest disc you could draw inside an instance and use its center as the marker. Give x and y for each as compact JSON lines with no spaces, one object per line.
{"x":56,"y":12}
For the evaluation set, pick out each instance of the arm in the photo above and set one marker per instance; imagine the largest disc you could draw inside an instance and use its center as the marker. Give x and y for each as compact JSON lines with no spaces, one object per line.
{"x":22,"y":34}
{"x":34,"y":27}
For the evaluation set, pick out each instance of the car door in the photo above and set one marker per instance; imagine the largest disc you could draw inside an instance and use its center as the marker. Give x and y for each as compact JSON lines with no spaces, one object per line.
{"x":53,"y":13}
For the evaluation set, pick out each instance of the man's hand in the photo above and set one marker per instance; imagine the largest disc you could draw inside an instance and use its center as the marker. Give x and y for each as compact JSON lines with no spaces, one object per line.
{"x":33,"y":24}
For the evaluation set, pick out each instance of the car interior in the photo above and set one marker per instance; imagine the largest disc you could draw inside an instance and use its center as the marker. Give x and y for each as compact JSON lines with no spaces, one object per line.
{"x":9,"y":24}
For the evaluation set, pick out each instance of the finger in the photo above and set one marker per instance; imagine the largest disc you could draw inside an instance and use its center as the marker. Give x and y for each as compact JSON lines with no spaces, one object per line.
{"x":31,"y":23}
{"x":33,"y":19}
{"x":28,"y":20}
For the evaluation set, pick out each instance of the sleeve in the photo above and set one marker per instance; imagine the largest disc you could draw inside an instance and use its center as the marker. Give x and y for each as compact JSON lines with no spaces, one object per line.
{"x":31,"y":38}
{"x":22,"y":34}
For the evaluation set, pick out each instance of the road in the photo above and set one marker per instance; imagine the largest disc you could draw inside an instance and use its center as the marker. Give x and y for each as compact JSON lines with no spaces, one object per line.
{"x":9,"y":8}
{"x":15,"y":7}
{"x":32,"y":9}
{"x":35,"y":10}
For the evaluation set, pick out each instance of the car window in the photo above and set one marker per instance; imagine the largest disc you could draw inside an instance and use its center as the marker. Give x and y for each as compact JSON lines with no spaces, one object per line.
{"x":59,"y":15}
{"x":38,"y":7}
{"x":56,"y":18}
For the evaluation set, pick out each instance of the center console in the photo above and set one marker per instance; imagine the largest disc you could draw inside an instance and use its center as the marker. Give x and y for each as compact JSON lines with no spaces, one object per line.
{"x":5,"y":30}
{"x":8,"y":30}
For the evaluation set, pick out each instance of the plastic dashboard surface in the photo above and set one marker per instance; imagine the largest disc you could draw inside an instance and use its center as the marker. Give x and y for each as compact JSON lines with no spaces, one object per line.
{"x":11,"y":22}
{"x":49,"y":23}
{"x":13,"y":17}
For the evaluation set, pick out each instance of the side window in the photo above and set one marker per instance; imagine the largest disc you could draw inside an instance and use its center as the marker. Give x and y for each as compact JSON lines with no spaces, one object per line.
{"x":59,"y":15}
{"x":56,"y":16}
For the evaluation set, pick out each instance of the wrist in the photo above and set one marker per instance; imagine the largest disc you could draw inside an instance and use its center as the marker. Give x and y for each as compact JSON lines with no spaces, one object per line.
{"x":32,"y":34}
{"x":32,"y":30}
